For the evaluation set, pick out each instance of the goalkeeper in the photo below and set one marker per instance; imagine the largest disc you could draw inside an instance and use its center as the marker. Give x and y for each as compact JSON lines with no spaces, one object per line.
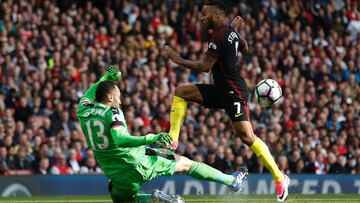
{"x":125,"y":159}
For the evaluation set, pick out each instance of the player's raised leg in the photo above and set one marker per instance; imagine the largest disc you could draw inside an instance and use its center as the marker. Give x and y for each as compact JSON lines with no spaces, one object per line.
{"x":202,"y":171}
{"x":178,"y":109}
{"x":244,"y":129}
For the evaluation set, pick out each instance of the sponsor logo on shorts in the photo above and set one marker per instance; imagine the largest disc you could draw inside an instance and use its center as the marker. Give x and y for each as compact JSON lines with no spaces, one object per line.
{"x":238,"y":114}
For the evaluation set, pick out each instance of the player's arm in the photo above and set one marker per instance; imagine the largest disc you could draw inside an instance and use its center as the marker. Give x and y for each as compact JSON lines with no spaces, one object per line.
{"x":236,"y":24}
{"x":203,"y":65}
{"x":111,"y":74}
{"x":122,"y":138}
{"x":121,"y":135}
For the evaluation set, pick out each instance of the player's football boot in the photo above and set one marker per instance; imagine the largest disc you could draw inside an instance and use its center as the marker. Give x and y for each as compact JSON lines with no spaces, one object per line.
{"x":174,"y":145}
{"x":163,"y":197}
{"x":282,"y":189}
{"x":240,"y":176}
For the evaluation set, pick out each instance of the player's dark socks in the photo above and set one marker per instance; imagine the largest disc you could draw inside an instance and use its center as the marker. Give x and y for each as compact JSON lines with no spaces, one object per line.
{"x":174,"y":145}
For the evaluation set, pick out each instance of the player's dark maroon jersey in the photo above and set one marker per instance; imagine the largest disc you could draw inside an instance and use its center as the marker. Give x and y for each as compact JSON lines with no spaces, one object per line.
{"x":224,"y":44}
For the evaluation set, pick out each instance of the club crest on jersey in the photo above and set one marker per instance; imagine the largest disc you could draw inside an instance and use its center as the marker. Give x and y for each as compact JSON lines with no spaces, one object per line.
{"x":212,"y":46}
{"x":116,"y":117}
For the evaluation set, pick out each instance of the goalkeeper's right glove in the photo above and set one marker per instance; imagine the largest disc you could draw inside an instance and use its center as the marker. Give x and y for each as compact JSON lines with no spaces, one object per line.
{"x":112,"y":73}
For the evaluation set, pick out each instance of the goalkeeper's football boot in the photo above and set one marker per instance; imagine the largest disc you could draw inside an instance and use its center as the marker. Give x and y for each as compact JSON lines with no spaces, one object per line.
{"x":282,"y":189}
{"x":163,"y":197}
{"x":240,"y":176}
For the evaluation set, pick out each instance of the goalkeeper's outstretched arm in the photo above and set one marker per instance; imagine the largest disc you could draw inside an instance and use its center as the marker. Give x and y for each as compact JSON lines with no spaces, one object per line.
{"x":122,"y":137}
{"x":89,"y":95}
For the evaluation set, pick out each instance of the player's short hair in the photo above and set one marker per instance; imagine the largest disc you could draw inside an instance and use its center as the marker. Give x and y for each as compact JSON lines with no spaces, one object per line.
{"x":104,"y":88}
{"x":218,"y":3}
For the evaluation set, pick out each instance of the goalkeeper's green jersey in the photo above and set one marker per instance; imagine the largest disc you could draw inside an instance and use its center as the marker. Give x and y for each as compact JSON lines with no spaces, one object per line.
{"x":96,"y":122}
{"x":105,"y":130}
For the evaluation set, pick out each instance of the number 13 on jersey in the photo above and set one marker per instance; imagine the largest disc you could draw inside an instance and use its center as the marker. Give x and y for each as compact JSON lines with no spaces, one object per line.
{"x":95,"y":130}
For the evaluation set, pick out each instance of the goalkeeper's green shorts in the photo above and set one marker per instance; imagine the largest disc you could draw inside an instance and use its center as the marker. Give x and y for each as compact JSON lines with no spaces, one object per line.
{"x":155,"y":163}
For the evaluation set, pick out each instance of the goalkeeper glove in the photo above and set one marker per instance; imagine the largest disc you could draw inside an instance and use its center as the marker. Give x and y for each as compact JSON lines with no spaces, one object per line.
{"x":112,"y":73}
{"x":165,"y":141}
{"x":161,"y":139}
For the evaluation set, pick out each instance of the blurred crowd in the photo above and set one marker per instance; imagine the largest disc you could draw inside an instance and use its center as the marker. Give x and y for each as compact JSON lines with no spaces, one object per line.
{"x":52,"y":51}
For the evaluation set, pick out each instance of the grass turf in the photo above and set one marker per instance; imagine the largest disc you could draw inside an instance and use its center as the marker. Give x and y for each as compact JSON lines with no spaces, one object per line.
{"x":193,"y":198}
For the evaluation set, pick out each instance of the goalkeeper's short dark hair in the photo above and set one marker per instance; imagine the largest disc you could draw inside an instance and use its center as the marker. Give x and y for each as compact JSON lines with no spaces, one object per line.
{"x":104,"y":88}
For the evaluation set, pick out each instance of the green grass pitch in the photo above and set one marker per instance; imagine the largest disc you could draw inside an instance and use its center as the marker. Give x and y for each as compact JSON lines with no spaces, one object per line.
{"x":193,"y":198}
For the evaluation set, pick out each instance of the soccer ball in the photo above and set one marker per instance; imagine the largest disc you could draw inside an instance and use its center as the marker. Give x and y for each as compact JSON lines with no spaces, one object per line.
{"x":268,"y":92}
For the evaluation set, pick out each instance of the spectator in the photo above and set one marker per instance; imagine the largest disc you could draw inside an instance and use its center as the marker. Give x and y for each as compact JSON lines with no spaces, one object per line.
{"x":239,"y":162}
{"x":73,"y":162}
{"x":60,"y":167}
{"x":64,"y":124}
{"x":339,"y":166}
{"x":23,"y":111}
{"x":354,"y":27}
{"x":311,"y":165}
{"x":43,"y":166}
{"x":251,"y":161}
{"x":90,"y":167}
{"x":198,"y":158}
{"x":4,"y":162}
{"x":320,"y":168}
{"x":296,"y":156}
{"x":22,"y":160}
{"x":283,"y":164}
{"x":300,"y":167}
{"x":229,"y":164}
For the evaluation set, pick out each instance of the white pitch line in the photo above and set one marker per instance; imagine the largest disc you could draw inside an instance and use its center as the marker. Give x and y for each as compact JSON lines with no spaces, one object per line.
{"x":270,"y":200}
{"x":55,"y":201}
{"x":197,"y":200}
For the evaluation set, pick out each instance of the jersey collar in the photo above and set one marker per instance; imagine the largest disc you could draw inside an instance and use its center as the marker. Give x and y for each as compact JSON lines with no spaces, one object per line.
{"x":102,"y":105}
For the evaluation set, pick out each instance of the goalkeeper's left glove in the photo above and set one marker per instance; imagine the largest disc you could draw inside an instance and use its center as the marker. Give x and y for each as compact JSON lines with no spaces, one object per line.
{"x":164,"y":141}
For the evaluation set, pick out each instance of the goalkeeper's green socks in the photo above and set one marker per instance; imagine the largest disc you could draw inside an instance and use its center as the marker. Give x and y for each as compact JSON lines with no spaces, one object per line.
{"x":142,"y":198}
{"x":202,"y":171}
{"x":178,"y":110}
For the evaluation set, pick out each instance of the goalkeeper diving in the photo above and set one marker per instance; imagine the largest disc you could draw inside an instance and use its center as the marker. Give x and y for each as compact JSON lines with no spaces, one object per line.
{"x":127,"y":160}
